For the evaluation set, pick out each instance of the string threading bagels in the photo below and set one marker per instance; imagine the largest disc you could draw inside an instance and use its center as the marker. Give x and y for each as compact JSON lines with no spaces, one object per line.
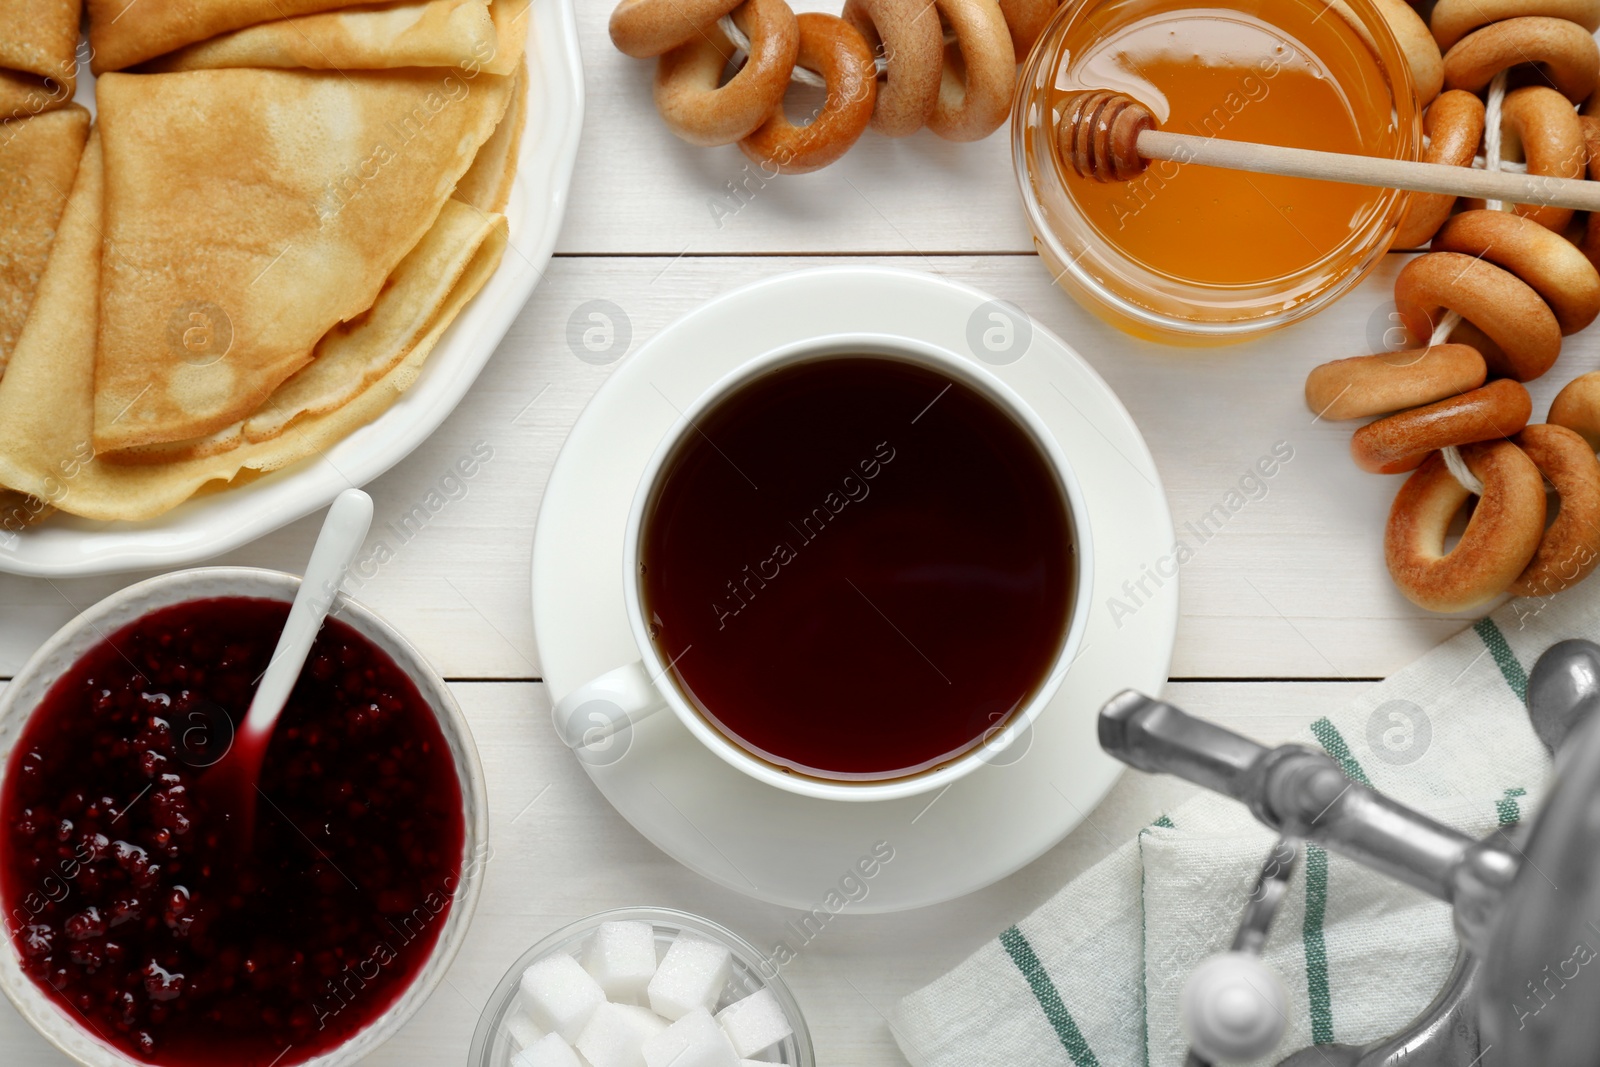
{"x":1490,"y":302}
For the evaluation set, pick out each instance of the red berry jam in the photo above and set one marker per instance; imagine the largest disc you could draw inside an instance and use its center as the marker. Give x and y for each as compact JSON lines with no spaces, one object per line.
{"x":122,"y":894}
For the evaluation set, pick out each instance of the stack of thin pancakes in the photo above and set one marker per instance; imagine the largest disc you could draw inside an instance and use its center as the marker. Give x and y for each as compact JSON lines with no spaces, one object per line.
{"x":280,"y":207}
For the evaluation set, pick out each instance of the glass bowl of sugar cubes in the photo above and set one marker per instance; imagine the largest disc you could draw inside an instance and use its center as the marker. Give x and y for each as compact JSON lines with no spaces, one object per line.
{"x":642,"y":987}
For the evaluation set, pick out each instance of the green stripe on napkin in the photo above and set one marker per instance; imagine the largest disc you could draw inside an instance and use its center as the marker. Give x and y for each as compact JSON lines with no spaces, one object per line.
{"x":1500,"y":649}
{"x":1044,"y":990}
{"x":1329,"y":737}
{"x":1317,"y":989}
{"x":1507,"y":808}
{"x":1165,"y":823}
{"x":1321,"y":1000}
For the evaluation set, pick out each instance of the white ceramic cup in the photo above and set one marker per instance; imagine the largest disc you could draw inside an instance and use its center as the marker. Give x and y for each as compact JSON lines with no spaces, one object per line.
{"x":598,"y":716}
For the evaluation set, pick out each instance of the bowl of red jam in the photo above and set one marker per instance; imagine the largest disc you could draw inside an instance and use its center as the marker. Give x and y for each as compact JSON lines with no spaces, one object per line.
{"x":139,"y":930}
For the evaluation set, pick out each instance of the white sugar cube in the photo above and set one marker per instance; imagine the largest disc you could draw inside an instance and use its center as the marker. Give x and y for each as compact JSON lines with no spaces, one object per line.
{"x":522,"y":1030}
{"x":693,"y":1041}
{"x":616,"y":1034}
{"x":551,"y":1050}
{"x":690,"y":976}
{"x":622,"y":958}
{"x":755,"y":1023}
{"x":560,"y":996}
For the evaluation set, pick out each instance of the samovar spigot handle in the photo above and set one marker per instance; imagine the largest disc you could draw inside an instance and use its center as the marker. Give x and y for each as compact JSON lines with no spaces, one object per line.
{"x":1301,"y":792}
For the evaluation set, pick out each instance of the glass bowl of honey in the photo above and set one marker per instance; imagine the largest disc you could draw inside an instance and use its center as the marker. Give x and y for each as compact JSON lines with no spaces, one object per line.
{"x":1200,"y":255}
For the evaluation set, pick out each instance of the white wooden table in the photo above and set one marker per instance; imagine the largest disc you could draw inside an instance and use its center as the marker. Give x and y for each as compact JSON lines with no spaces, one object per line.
{"x":1287,"y":612}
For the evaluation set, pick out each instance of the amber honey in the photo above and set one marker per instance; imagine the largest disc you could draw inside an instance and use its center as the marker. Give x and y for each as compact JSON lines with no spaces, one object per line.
{"x":1199,"y":251}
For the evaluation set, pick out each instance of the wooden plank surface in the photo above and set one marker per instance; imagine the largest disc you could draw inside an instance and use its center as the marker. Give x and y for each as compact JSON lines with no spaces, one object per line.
{"x":560,"y":853}
{"x":1289,"y":584}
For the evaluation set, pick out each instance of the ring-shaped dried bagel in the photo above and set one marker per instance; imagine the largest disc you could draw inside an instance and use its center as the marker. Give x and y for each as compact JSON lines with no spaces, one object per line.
{"x":1570,"y":548}
{"x":689,"y":91}
{"x":1452,"y":20}
{"x":1577,"y":407}
{"x":832,"y":48}
{"x":1454,"y":124}
{"x":979,"y":73}
{"x":1026,"y":20}
{"x":1590,"y":243}
{"x":1545,"y":260}
{"x":1564,"y":50}
{"x":1402,"y":441}
{"x":1501,"y":537}
{"x":1467,"y":334}
{"x":1539,"y":123}
{"x":1526,"y":336}
{"x":1416,"y":42}
{"x":908,"y":35}
{"x":1363,"y":386}
{"x":646,"y":28}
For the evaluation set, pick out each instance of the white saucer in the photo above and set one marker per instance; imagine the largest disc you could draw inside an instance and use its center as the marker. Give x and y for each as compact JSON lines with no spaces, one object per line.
{"x":775,"y":845}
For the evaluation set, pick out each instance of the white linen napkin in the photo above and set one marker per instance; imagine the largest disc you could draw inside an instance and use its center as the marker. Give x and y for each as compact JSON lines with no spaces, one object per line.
{"x":1092,"y":978}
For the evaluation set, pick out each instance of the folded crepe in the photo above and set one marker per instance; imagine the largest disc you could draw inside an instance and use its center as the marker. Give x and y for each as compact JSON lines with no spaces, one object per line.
{"x":511,"y":18}
{"x":18,"y":511}
{"x":39,"y":46}
{"x":246,"y":213}
{"x":38,"y":161}
{"x":125,"y":32}
{"x":22,"y":95}
{"x":487,"y":183}
{"x":486,"y":35}
{"x":355,"y":354}
{"x":47,"y":401}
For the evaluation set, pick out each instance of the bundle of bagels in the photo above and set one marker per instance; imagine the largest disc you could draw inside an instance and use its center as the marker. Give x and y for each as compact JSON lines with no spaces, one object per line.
{"x":250,"y":251}
{"x":1505,"y":82}
{"x":950,"y":65}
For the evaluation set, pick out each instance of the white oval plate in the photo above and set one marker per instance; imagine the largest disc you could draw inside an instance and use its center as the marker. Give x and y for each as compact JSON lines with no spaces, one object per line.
{"x":779,"y":846}
{"x":212,"y":524}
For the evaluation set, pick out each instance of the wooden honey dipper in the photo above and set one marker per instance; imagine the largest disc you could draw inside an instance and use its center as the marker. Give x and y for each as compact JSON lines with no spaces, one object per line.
{"x":1109,"y":136}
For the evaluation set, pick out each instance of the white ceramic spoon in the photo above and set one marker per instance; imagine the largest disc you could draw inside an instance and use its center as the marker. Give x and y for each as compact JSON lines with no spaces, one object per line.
{"x":233,"y":779}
